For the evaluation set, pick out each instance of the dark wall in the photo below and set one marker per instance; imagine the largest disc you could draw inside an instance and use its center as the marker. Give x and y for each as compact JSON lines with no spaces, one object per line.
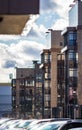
{"x":19,"y":7}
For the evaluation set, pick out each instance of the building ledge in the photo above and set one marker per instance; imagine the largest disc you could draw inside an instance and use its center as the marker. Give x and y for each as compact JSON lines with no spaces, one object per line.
{"x":68,"y":29}
{"x":64,"y":49}
{"x":13,"y":24}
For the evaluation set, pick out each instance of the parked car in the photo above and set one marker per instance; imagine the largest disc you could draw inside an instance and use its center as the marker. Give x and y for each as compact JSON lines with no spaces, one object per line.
{"x":61,"y":125}
{"x":4,"y":120}
{"x":23,"y":124}
{"x":78,"y":128}
{"x":37,"y":123}
{"x":41,"y":121}
{"x":10,"y":123}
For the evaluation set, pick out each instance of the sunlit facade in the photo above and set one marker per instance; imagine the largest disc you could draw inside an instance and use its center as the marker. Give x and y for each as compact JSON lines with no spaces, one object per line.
{"x":46,"y":82}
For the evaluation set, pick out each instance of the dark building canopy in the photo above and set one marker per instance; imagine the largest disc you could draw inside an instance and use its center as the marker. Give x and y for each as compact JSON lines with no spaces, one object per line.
{"x":14,"y":14}
{"x":17,"y":7}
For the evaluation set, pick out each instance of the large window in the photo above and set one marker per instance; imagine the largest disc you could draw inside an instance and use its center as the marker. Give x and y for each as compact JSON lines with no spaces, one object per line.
{"x":72,"y":36}
{"x":73,"y":59}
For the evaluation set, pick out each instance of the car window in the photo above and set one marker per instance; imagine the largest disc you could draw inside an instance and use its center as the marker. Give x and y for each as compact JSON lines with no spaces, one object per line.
{"x":72,"y":125}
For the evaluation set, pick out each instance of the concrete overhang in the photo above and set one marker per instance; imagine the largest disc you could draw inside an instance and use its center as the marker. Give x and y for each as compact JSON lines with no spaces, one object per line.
{"x":64,"y":49}
{"x":67,"y":29}
{"x":13,"y":24}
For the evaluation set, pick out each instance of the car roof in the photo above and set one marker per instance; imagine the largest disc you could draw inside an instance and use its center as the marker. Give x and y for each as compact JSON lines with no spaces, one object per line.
{"x":78,"y":128}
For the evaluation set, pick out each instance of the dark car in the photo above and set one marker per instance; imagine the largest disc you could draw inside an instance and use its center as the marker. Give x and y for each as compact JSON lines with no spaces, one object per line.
{"x":78,"y":128}
{"x":71,"y":124}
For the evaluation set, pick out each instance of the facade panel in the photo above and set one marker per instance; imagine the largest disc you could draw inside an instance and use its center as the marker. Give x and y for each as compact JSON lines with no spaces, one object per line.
{"x":73,"y":16}
{"x":18,"y":7}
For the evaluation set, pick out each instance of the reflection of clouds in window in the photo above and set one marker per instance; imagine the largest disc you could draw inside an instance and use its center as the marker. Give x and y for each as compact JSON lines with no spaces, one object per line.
{"x":73,"y":72}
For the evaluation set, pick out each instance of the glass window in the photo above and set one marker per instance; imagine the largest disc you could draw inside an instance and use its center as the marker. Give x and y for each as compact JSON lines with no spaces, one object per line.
{"x":47,"y":57}
{"x":73,"y":72}
{"x":72,"y":36}
{"x":72,"y":54}
{"x":47,"y":91}
{"x":73,"y":82}
{"x":47,"y":97}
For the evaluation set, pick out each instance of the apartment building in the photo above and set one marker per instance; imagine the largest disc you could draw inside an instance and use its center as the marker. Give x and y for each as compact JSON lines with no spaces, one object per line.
{"x":72,"y":65}
{"x":27,"y":92}
{"x":22,"y":90}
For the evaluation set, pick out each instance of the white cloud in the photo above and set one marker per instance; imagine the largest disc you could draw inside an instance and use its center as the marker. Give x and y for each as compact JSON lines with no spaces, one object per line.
{"x":4,"y":74}
{"x":62,"y":11}
{"x":20,"y":53}
{"x":47,"y":6}
{"x":29,"y":24}
{"x":60,"y":24}
{"x":63,"y":7}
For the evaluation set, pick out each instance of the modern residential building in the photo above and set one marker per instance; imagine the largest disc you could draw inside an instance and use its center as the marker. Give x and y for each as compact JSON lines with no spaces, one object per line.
{"x":27,"y":92}
{"x":22,"y":92}
{"x":66,"y":63}
{"x":58,"y":81}
{"x":72,"y":51}
{"x":5,"y":99}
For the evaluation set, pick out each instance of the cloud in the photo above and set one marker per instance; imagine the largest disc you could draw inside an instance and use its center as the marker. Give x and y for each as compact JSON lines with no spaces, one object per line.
{"x":9,"y":64}
{"x":60,"y":24}
{"x":29,"y":24}
{"x":20,"y":54}
{"x":4,"y":74}
{"x":36,"y":32}
{"x":47,"y":5}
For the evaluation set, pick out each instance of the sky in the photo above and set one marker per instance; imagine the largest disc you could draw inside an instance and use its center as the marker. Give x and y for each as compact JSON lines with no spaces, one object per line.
{"x":21,"y":50}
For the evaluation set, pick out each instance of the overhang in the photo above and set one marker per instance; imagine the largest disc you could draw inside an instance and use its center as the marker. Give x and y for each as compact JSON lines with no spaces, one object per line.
{"x":13,"y":24}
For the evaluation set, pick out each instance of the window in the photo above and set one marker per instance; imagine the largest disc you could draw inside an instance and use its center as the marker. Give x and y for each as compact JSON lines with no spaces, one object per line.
{"x":72,"y":36}
{"x":72,"y":55}
{"x":47,"y":97}
{"x":47,"y":91}
{"x":73,"y":82}
{"x":47,"y":57}
{"x":73,"y":72}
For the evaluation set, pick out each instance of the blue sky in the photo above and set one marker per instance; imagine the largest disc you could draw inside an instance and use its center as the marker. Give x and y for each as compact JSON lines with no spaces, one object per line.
{"x":20,"y":50}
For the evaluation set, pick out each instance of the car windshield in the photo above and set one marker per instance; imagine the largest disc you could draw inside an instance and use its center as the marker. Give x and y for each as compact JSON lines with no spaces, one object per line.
{"x":23,"y":124}
{"x":51,"y":126}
